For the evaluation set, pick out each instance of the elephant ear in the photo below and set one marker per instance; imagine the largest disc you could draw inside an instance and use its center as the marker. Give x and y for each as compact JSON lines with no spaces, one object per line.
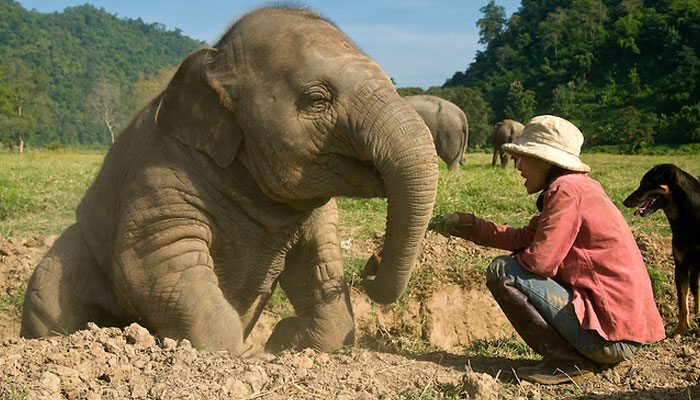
{"x":192,"y":111}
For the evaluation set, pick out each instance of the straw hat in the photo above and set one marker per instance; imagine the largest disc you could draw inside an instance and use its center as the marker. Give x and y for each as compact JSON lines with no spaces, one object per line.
{"x":552,"y":139}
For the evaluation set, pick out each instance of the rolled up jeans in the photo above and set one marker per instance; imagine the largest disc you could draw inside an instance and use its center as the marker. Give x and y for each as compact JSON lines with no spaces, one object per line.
{"x":553,"y":302}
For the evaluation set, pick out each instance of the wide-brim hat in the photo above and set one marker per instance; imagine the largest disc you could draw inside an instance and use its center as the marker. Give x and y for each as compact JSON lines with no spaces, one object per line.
{"x":552,"y":139}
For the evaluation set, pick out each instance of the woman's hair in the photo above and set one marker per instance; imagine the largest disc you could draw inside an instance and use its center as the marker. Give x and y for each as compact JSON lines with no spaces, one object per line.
{"x":554,"y":172}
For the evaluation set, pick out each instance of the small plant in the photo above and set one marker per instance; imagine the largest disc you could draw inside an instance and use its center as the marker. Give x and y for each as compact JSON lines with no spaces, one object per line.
{"x":279,"y":304}
{"x":429,"y":394}
{"x":436,"y":223}
{"x":659,"y":281}
{"x":13,"y":303}
{"x":353,"y":270}
{"x":510,"y":347}
{"x":13,"y":395}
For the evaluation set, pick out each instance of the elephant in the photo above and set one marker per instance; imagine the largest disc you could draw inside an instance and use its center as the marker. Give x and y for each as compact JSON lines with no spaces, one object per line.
{"x":448,"y":125}
{"x":224,"y":186}
{"x":504,"y":132}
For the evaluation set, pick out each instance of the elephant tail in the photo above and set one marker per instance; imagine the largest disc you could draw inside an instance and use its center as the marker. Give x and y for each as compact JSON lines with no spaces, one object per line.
{"x":465,"y":140}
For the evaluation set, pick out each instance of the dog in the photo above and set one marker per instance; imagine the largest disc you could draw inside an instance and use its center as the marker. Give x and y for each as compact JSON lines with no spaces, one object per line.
{"x":673,"y":190}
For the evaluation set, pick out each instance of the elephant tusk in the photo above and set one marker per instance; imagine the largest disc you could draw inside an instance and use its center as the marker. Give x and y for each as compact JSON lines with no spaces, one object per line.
{"x":160,"y":103}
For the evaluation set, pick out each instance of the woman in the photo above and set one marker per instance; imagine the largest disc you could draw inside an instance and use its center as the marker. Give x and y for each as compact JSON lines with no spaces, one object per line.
{"x":576,"y":288}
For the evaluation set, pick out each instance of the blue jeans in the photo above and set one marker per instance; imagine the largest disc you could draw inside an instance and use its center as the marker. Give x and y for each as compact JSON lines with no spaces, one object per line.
{"x":553,"y":302}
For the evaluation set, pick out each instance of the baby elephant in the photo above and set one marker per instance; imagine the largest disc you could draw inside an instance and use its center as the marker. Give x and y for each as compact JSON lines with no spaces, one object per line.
{"x":222,"y":188}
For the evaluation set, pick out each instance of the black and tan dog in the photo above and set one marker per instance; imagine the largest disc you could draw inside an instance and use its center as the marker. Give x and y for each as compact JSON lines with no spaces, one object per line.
{"x":667,"y":187}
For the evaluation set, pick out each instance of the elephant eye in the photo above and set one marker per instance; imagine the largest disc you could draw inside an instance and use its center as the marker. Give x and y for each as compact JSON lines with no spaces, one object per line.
{"x":316,"y":99}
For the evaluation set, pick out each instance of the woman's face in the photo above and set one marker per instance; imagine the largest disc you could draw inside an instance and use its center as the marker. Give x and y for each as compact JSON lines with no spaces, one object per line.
{"x":534,"y":171}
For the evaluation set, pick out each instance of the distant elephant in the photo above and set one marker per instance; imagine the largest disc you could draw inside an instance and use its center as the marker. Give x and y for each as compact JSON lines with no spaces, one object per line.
{"x":223,"y":186}
{"x":504,"y":132}
{"x":447,"y":124}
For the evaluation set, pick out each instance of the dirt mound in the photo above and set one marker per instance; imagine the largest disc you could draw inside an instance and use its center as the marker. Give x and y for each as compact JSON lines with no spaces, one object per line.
{"x":421,"y":346}
{"x":114,"y":363}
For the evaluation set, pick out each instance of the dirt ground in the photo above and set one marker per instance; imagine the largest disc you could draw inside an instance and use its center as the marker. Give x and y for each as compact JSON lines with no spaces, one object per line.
{"x":421,"y":348}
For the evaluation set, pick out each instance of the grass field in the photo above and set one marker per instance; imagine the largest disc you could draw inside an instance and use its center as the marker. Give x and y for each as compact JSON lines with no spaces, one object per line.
{"x":40,"y":190}
{"x":499,"y":195}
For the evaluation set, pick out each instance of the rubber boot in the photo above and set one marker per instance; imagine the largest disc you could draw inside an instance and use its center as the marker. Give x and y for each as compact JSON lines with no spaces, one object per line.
{"x":562,"y":362}
{"x":564,"y":365}
{"x":525,"y":318}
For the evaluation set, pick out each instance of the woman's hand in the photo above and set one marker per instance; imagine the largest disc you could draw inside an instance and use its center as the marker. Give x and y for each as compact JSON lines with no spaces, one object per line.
{"x":454,"y":224}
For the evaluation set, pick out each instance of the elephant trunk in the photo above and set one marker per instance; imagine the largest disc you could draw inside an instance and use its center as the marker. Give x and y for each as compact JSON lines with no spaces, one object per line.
{"x":406,"y":160}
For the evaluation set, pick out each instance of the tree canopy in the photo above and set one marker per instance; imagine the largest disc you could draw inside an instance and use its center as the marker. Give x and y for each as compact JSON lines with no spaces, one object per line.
{"x":54,"y":67}
{"x":625,"y":71}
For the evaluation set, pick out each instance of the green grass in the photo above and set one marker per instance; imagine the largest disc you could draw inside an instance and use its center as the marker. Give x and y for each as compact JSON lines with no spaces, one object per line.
{"x":12,"y":394}
{"x":361,"y":218}
{"x":353,"y":270}
{"x":39,"y":190}
{"x":509,"y":347}
{"x":429,"y":393}
{"x":499,"y":195}
{"x":14,"y":302}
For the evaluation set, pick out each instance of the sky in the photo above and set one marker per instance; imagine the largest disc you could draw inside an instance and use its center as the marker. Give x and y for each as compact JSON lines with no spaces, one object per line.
{"x":419,"y":43}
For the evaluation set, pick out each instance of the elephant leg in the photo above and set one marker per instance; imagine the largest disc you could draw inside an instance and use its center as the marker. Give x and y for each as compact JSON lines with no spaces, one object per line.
{"x":172,"y":285}
{"x":315,"y":284}
{"x":454,"y":165}
{"x":495,"y":157}
{"x":67,"y":290}
{"x":505,"y":158}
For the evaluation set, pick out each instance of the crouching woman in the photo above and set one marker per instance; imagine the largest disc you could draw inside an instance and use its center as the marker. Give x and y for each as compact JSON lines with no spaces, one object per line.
{"x":576,"y":288}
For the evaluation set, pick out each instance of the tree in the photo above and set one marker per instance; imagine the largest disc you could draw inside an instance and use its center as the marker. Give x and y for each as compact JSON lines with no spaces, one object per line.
{"x":146,"y":88}
{"x":410,"y":91}
{"x":6,"y":111}
{"x":564,"y":101}
{"x":633,"y":130}
{"x":492,"y":23}
{"x":552,"y":30}
{"x":588,"y":16}
{"x":23,"y":85}
{"x":521,"y":103}
{"x":6,"y":98}
{"x":104,"y":99}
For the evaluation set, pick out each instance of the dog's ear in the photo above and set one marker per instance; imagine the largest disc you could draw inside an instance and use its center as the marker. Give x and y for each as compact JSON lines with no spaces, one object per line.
{"x":192,"y":110}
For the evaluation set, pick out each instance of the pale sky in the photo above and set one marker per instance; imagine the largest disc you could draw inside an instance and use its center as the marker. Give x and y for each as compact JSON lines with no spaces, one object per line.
{"x":417,"y":42}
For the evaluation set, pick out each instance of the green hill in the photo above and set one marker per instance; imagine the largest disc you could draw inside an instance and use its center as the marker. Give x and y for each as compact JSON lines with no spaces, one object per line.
{"x":58,"y":69}
{"x":627,"y":72}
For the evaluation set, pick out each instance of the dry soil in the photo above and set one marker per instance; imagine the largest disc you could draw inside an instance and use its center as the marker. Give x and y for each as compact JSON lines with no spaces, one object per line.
{"x":432,"y":344}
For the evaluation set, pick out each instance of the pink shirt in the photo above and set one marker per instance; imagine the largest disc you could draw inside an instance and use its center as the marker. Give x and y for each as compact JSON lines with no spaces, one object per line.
{"x":582,"y":241}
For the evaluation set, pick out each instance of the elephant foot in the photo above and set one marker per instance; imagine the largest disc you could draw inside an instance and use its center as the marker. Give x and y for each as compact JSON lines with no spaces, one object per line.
{"x":285,"y":336}
{"x":294,"y":333}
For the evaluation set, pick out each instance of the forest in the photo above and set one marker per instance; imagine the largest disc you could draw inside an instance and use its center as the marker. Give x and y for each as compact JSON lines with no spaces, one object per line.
{"x":627,"y":72}
{"x":72,"y":79}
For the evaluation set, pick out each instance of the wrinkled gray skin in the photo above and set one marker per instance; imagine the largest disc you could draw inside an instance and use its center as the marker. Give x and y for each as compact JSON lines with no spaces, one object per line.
{"x":504,"y":132}
{"x":448,"y":126}
{"x":223,"y":187}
